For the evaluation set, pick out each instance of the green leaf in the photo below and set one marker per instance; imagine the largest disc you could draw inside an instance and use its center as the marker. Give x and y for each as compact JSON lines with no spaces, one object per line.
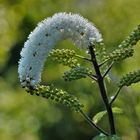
{"x":115,"y":137}
{"x":101,"y":114}
{"x":101,"y":137}
{"x":117,"y":110}
{"x":104,"y":137}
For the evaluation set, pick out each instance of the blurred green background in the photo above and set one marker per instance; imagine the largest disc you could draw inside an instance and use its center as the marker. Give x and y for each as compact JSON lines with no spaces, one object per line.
{"x":25,"y":117}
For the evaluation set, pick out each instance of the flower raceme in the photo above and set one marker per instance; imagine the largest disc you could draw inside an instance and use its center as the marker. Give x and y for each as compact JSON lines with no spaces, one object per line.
{"x":46,"y":35}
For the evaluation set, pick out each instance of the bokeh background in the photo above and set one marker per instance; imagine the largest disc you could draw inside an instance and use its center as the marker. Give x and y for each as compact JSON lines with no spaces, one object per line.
{"x":26,"y":117}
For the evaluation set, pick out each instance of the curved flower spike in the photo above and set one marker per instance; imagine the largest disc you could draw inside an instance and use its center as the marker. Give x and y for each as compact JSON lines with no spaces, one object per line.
{"x":45,"y":36}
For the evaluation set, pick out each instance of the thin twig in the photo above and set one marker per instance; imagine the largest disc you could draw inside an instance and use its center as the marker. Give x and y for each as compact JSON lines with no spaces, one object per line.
{"x":83,"y":57}
{"x":109,"y":68}
{"x":103,"y":62}
{"x":93,"y":124}
{"x":93,"y":77}
{"x":116,"y":95}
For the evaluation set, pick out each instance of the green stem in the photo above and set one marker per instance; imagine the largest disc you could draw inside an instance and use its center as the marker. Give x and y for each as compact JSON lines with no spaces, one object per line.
{"x":102,"y":90}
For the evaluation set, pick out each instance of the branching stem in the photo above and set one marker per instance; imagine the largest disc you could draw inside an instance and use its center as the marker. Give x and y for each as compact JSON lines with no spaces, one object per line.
{"x":83,"y":57}
{"x":103,"y":63}
{"x":92,"y":124}
{"x":93,"y":77}
{"x":109,"y":68}
{"x":116,"y":95}
{"x":101,"y":85}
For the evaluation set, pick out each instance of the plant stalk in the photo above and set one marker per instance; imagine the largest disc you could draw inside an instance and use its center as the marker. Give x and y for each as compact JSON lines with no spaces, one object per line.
{"x":116,"y":95}
{"x":101,"y":85}
{"x":92,"y":124}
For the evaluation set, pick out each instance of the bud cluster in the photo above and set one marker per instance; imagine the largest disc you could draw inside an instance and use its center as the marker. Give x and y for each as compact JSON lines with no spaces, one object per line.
{"x":132,"y":39}
{"x":120,"y":54}
{"x":100,"y":51}
{"x":125,"y":49}
{"x":77,"y":73}
{"x":58,"y":95}
{"x":130,"y":78}
{"x":64,"y":56}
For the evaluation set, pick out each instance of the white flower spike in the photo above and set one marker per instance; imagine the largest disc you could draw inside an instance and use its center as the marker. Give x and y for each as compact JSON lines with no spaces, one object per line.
{"x":45,"y":36}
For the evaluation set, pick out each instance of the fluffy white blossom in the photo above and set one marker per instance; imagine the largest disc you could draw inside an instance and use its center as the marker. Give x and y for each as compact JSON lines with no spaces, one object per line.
{"x":46,"y":35}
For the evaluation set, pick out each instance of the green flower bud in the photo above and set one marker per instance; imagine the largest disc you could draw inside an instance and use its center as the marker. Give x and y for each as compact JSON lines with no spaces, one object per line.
{"x":58,"y":95}
{"x":100,"y":51}
{"x":125,"y":49}
{"x":65,"y":56}
{"x":120,"y":54}
{"x":76,"y":73}
{"x":132,"y":39}
{"x":130,"y":78}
